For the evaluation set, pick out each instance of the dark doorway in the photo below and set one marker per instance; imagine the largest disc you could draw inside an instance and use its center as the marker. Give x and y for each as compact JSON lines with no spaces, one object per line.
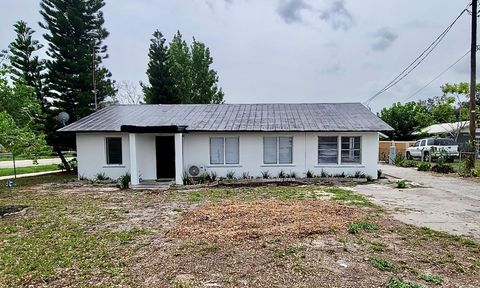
{"x":165,"y":150}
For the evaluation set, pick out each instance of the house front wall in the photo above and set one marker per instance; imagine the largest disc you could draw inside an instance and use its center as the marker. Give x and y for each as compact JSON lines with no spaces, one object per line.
{"x":196,"y":147}
{"x":92,"y":159}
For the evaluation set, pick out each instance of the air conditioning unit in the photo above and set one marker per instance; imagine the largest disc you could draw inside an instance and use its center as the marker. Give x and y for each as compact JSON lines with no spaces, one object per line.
{"x":195,"y":170}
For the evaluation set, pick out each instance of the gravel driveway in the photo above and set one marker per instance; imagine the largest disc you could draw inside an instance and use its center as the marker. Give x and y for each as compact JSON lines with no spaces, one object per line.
{"x":440,"y":202}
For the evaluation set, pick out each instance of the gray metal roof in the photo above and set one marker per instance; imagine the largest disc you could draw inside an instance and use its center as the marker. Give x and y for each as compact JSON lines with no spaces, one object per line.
{"x":234,"y":117}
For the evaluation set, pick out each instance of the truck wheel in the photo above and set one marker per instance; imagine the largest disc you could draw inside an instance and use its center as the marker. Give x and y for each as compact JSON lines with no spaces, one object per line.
{"x":409,"y":157}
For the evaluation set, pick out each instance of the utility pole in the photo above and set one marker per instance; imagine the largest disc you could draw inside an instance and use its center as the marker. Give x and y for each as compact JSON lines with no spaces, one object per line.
{"x":473,"y":75}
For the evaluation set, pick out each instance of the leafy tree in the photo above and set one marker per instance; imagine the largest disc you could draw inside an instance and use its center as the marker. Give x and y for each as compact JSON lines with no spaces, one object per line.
{"x":160,"y":90}
{"x":204,"y":79}
{"x":179,"y":63}
{"x":26,"y":66}
{"x":19,"y":107}
{"x":75,"y":45}
{"x":405,"y":119}
{"x":180,"y":73}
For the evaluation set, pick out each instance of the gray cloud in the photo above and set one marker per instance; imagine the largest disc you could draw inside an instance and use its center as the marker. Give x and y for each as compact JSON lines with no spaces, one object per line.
{"x":338,"y":16}
{"x":332,"y":69}
{"x":383,"y":39}
{"x":290,"y":10}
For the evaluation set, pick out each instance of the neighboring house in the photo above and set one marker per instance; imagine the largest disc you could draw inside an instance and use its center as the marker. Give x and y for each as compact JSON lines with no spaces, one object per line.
{"x":164,"y":141}
{"x":458,"y":131}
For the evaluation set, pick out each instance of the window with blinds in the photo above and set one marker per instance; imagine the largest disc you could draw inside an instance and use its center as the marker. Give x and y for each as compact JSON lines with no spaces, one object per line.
{"x":328,"y":150}
{"x":224,"y":150}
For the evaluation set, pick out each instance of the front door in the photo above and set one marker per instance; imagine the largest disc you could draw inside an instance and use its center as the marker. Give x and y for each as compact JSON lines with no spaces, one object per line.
{"x":165,"y":147}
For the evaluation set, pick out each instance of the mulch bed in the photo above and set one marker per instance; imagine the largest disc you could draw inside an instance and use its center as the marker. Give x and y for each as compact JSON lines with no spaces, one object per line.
{"x":258,"y":219}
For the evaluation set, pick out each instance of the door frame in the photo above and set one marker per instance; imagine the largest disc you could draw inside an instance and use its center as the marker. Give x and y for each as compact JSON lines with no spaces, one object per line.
{"x":173,"y":167}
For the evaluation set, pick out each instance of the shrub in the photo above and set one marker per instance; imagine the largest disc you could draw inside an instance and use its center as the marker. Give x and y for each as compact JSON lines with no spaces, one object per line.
{"x":324,"y":174}
{"x":230,"y":175}
{"x":123,"y":182}
{"x":398,"y":160}
{"x":101,"y":176}
{"x":186,"y":179}
{"x":443,"y":168}
{"x":310,"y":174}
{"x":401,"y":184}
{"x":359,"y":174}
{"x":213,"y":175}
{"x":245,"y":175}
{"x":202,"y":178}
{"x":408,"y":163}
{"x":424,"y":166}
{"x":292,"y":175}
{"x":265,"y":174}
{"x":282,"y":174}
{"x":379,"y":174}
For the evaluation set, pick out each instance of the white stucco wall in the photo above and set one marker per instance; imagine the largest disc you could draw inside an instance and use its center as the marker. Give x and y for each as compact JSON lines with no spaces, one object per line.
{"x":92,"y":157}
{"x":305,"y":154}
{"x":91,"y":154}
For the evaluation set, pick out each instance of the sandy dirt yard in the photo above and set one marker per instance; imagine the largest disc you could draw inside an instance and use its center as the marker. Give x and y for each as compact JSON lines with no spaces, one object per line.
{"x":58,"y":232}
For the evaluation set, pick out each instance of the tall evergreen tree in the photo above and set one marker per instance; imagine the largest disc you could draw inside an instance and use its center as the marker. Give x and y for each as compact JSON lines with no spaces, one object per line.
{"x":27,"y":67}
{"x":160,"y":88}
{"x":204,"y":78}
{"x":179,"y":63}
{"x":75,"y":45}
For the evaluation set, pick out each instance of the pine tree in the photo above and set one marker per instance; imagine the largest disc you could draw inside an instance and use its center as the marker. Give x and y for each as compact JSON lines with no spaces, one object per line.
{"x":160,"y":89}
{"x":25,"y":66}
{"x":204,"y":79}
{"x":179,"y":63}
{"x":75,"y":45}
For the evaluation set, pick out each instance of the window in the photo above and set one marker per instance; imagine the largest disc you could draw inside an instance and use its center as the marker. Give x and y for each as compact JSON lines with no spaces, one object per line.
{"x":351,"y":151}
{"x":417,"y":144}
{"x":224,"y":150}
{"x":423,"y":143}
{"x":430,"y":141}
{"x":328,"y":150}
{"x":277,"y":150}
{"x":114,"y":150}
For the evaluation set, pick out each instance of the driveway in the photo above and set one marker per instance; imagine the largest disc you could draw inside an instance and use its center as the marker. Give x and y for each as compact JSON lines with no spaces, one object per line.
{"x":440,"y":202}
{"x":26,"y":163}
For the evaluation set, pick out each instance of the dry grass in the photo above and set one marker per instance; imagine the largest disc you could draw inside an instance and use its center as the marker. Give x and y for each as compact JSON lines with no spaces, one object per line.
{"x":259,"y":219}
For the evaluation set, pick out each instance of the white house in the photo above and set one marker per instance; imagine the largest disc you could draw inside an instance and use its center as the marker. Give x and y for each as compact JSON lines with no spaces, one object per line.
{"x":164,"y":141}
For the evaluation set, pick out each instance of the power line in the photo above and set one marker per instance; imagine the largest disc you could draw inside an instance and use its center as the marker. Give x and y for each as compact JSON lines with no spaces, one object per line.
{"x":436,"y":77}
{"x":417,"y":60}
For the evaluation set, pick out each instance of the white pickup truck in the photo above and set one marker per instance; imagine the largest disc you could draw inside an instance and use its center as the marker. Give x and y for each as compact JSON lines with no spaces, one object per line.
{"x":434,"y":148}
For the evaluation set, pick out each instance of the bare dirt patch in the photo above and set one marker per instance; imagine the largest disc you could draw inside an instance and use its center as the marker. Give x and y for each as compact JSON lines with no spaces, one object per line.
{"x":256,"y":219}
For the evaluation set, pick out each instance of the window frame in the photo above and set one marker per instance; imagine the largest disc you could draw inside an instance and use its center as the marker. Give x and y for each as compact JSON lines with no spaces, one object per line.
{"x":338,"y":152}
{"x":107,"y":153}
{"x":359,"y":149}
{"x":224,"y":151}
{"x":277,"y":151}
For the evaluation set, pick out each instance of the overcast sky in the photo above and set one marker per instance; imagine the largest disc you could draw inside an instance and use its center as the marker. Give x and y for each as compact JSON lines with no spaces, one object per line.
{"x":287,"y":50}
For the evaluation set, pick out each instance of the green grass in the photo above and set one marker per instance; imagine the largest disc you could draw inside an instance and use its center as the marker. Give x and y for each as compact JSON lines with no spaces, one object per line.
{"x":397,"y":282}
{"x":354,"y":228}
{"x":54,"y":237}
{"x":382,"y":264}
{"x":29,"y":169}
{"x":349,"y":197}
{"x":435,"y":279}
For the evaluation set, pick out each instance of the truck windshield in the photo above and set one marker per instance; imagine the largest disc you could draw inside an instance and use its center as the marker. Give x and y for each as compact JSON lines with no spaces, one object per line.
{"x":444,"y":142}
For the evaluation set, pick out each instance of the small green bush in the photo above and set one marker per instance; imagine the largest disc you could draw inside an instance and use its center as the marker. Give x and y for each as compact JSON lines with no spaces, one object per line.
{"x":187,"y":180}
{"x":292,"y":175}
{"x":266,"y":174}
{"x":101,"y":177}
{"x":245,"y":175}
{"x":324,"y":174}
{"x":123,"y":182}
{"x":380,"y":174}
{"x":310,"y":174}
{"x":282,"y":174}
{"x":424,"y":166}
{"x":398,"y":160}
{"x":213,"y":176}
{"x":402,"y":184}
{"x":359,"y":174}
{"x":408,"y":163}
{"x":230,"y":175}
{"x":443,"y":168}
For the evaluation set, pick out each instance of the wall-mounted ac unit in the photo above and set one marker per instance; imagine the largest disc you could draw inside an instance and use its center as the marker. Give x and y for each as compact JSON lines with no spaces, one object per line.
{"x":195,"y":170}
